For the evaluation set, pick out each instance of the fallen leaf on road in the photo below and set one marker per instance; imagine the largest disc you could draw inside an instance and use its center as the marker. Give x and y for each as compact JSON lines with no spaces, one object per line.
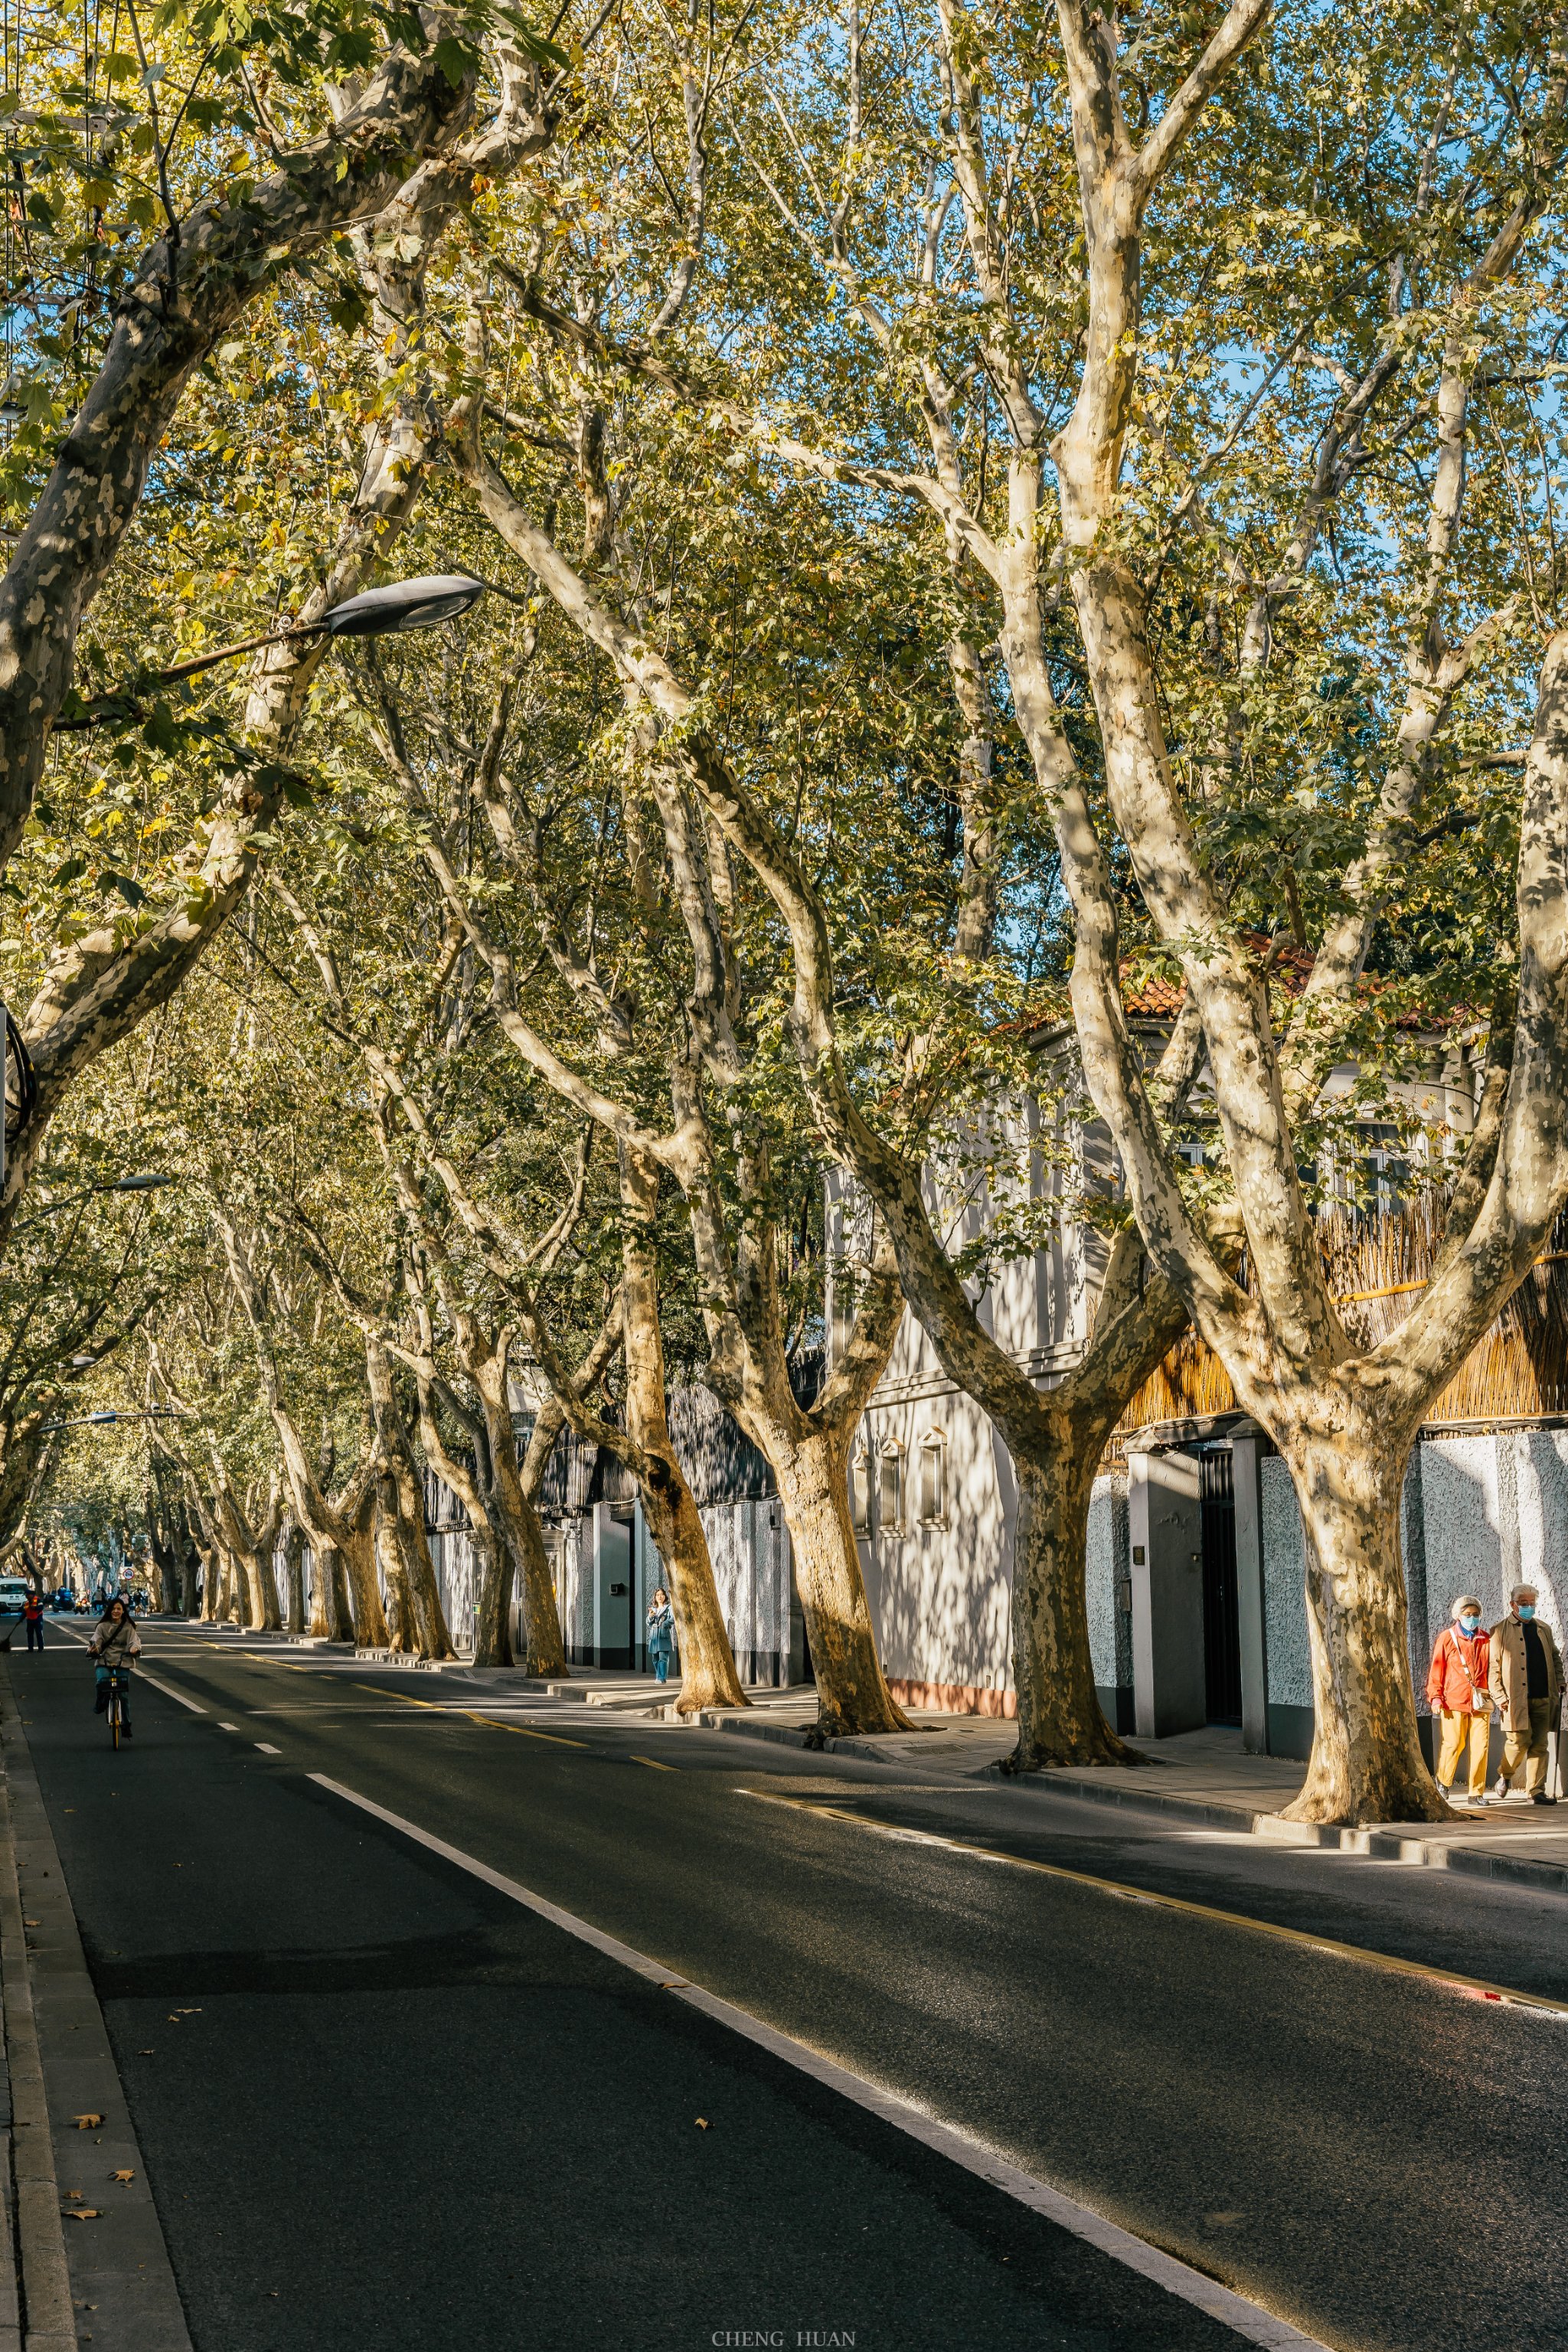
{"x":83,"y":2213}
{"x":29,"y":1922}
{"x":702,"y":2123}
{"x":87,"y":2123}
{"x":122,"y":2176}
{"x":76,"y":2195}
{"x":146,"y":2053}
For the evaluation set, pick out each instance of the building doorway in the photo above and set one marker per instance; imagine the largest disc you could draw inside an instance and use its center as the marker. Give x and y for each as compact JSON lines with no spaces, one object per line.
{"x":1222,"y":1600}
{"x":614,"y":1648}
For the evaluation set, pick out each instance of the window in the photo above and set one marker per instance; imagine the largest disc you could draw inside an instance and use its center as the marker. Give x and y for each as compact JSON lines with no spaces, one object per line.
{"x":932,"y":1491}
{"x":860,"y":1492}
{"x":890,"y":1490}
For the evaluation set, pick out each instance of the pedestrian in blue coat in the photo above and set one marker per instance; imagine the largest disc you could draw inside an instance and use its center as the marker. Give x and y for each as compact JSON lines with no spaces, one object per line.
{"x":661,"y":1635}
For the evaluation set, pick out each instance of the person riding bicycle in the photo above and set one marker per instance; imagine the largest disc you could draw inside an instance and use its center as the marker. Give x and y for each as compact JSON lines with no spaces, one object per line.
{"x":114,"y":1642}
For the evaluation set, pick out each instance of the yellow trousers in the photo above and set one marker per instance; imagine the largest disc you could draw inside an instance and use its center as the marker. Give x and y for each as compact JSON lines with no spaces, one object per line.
{"x":1459,"y":1730}
{"x":1529,"y":1748}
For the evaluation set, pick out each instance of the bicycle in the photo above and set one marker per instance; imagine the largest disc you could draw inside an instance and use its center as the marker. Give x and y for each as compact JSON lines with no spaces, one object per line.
{"x":117,"y":1678}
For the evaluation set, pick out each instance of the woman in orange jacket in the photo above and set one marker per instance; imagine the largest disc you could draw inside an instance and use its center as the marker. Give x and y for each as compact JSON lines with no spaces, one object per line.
{"x":1456,"y":1691}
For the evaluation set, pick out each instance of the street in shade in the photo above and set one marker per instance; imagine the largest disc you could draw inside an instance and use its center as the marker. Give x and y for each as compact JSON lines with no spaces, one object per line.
{"x":456,"y":2017}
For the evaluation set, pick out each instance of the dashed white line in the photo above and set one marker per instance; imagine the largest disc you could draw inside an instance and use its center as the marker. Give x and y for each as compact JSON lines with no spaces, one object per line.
{"x":170,"y":1692}
{"x":266,"y":1751}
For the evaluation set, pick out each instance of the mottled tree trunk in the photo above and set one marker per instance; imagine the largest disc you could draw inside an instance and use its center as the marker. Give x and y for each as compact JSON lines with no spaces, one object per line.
{"x":708,"y":1674}
{"x":516,"y":1516}
{"x":493,"y":1574}
{"x":330,"y":1619}
{"x":400,"y":1633}
{"x":852,"y":1693}
{"x":294,"y":1571}
{"x":1061,"y":1721}
{"x":267,"y":1615}
{"x":1366,"y":1763}
{"x":423,"y":1629}
{"x":190,"y":1572}
{"x":357,"y":1551}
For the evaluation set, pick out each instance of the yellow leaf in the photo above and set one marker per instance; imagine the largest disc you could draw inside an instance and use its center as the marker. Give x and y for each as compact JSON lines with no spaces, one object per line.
{"x":122,"y":2176}
{"x":81,"y":2213}
{"x":87,"y":2123}
{"x":702,"y":2123}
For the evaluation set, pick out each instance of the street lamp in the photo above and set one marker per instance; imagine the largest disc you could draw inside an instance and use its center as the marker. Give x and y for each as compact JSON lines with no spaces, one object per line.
{"x":99,"y":1420}
{"x":118,"y":1184}
{"x":404,"y":604}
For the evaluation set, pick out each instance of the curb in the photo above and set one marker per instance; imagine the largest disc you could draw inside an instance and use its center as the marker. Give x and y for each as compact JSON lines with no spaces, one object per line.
{"x":38,"y":2279}
{"x":1391,"y":1844}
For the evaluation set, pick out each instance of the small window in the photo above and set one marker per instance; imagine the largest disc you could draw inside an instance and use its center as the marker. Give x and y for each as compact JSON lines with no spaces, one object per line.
{"x":933,"y":1479}
{"x":890,"y":1490}
{"x":860,"y":1492}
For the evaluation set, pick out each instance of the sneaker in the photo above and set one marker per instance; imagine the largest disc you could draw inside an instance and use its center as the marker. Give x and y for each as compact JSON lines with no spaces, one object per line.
{"x":1540,"y":1797}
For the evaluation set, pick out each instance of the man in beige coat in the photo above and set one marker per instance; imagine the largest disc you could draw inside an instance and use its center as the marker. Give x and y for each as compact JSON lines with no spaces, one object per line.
{"x":1526,"y":1682}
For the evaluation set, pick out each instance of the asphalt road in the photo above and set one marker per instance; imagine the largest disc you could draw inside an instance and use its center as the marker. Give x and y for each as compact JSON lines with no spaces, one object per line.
{"x":404,"y":2112}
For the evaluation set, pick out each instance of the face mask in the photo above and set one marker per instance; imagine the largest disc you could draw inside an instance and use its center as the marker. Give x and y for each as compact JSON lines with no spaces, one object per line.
{"x":1526,"y":1611}
{"x":1469,"y":1625}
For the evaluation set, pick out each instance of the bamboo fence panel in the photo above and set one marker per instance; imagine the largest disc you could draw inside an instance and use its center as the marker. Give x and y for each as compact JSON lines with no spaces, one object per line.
{"x":1377,"y":1269}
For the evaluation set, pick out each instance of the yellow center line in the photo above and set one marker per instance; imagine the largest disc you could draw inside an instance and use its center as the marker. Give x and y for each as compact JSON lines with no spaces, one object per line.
{"x":654,"y":1765}
{"x":487,"y":1720}
{"x":522,"y":1729}
{"x":1473,"y":1988}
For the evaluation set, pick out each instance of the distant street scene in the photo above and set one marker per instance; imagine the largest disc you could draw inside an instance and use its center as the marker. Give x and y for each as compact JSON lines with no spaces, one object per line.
{"x":783,"y":1177}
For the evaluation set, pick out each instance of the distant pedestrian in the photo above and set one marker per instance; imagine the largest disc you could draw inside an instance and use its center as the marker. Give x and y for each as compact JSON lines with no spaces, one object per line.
{"x":1458,"y":1694}
{"x":661,"y":1635}
{"x":1526,"y":1680}
{"x":33,"y":1617}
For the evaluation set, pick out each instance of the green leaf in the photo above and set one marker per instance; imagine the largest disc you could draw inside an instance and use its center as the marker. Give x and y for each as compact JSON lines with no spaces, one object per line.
{"x":456,"y":58}
{"x":533,"y":45}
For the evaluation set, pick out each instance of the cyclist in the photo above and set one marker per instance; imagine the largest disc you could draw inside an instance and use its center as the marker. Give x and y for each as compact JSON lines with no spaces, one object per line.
{"x":114,"y":1642}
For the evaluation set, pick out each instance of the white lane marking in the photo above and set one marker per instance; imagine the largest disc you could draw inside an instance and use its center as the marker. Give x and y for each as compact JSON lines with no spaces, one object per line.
{"x":228,"y":1727}
{"x":170,"y":1692}
{"x":156,"y":1680}
{"x":269,"y":1751}
{"x":1248,"y":2320}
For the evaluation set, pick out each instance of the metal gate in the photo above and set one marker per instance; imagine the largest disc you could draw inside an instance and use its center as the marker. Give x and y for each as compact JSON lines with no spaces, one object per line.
{"x":1222,"y":1610}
